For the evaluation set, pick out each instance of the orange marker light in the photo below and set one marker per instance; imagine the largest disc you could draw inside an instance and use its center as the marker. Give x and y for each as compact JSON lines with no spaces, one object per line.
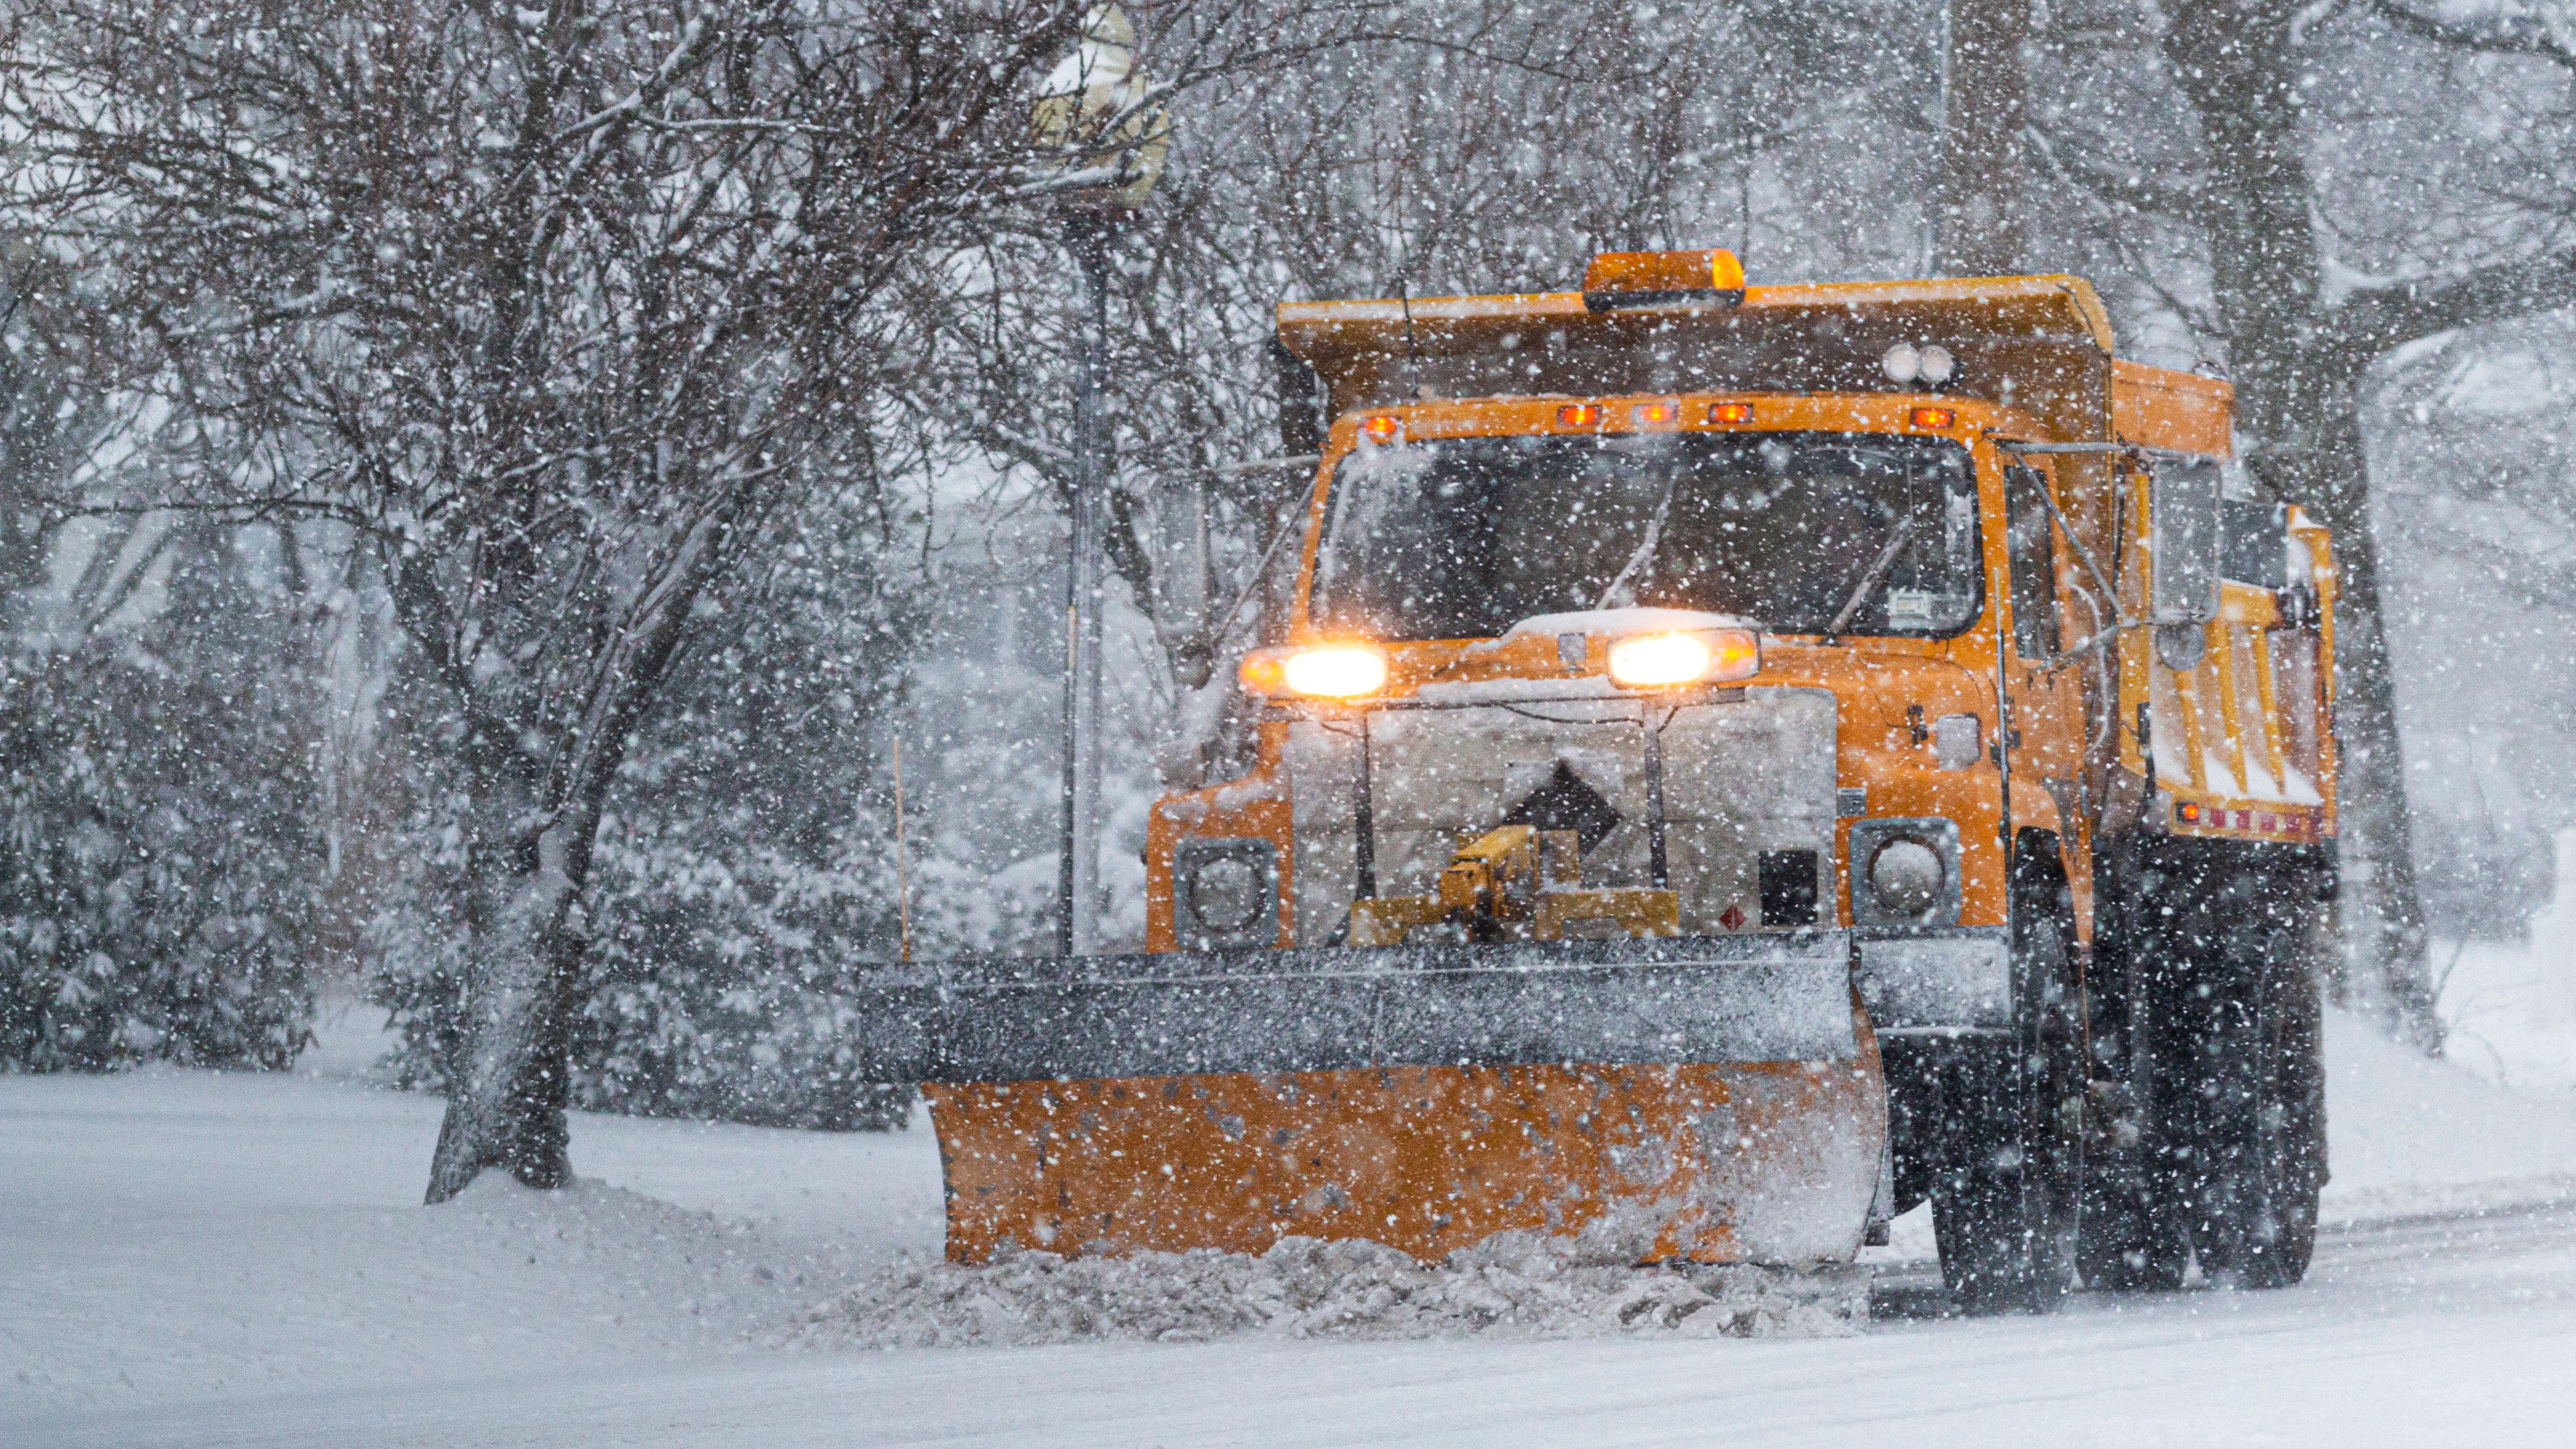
{"x":1382,"y":429}
{"x":1730,"y":412}
{"x":2187,"y":812}
{"x":1579,"y":415}
{"x":1655,"y":412}
{"x":1933,"y":417}
{"x":1264,"y":671}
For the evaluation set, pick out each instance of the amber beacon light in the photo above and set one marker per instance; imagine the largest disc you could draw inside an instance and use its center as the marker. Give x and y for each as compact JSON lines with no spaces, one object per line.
{"x":1617,"y":280}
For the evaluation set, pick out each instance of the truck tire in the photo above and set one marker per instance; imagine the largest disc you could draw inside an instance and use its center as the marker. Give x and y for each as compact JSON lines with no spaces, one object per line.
{"x":2248,"y":1015}
{"x":2004,"y":1196}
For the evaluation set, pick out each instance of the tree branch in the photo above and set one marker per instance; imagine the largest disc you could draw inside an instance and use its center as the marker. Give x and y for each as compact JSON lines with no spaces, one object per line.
{"x":2379,"y":318}
{"x":2529,"y":37}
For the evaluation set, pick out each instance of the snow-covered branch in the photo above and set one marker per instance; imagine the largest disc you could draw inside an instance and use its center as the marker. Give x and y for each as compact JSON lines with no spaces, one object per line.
{"x":2383,"y":316}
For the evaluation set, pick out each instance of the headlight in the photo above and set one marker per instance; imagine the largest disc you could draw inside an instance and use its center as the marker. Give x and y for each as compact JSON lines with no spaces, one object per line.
{"x":1333,"y":672}
{"x":1225,"y":895}
{"x":1660,"y":661}
{"x":1225,"y":892}
{"x":1905,"y":877}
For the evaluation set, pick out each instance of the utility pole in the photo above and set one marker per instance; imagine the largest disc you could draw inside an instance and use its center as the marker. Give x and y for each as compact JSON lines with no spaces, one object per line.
{"x":1087,"y":235}
{"x":1096,"y":114}
{"x":1980,"y":226}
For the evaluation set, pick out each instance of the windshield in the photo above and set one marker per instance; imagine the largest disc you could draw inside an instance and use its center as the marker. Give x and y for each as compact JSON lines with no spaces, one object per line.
{"x":1462,"y":538}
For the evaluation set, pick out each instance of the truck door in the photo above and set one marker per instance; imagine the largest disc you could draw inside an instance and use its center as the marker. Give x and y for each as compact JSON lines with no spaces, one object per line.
{"x":2048,"y":713}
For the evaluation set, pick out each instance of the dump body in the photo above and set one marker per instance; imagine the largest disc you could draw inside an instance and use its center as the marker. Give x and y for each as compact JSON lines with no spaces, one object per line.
{"x":1958,"y":670}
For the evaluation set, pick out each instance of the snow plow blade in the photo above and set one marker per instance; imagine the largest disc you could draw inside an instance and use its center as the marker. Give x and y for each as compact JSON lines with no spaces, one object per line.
{"x":1710,"y":1099}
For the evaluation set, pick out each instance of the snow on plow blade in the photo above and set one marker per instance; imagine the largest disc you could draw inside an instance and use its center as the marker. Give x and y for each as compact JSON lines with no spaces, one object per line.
{"x":1713,"y":1099}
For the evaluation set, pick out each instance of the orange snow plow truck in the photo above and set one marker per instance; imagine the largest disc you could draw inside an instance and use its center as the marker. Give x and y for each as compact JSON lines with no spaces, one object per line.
{"x":1737,"y":763}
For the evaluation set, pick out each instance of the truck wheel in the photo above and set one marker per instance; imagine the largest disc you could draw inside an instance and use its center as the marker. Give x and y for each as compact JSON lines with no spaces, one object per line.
{"x":2004,"y":1198}
{"x":2249,"y":1011}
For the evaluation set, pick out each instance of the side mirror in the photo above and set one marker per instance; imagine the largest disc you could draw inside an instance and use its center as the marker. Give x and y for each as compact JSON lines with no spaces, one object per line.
{"x":1301,"y":409}
{"x":2183,"y":539}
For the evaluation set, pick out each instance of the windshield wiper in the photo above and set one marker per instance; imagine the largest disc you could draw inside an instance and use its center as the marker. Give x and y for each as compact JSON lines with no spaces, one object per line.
{"x":1877,"y":571}
{"x":1645,"y":553}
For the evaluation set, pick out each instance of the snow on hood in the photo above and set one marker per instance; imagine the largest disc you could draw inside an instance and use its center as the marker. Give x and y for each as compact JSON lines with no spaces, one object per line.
{"x":1625,"y":621}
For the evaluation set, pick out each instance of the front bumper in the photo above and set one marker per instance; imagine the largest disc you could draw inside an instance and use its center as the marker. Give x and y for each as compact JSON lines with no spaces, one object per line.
{"x":1934,"y":978}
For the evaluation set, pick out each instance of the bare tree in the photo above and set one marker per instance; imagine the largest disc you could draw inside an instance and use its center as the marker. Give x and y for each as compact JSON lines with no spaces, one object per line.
{"x":558,"y":309}
{"x":1407,"y":161}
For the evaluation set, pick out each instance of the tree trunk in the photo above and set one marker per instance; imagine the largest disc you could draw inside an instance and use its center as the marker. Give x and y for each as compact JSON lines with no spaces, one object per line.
{"x":505,"y":1106}
{"x":2297,"y":384}
{"x":2386,"y":966}
{"x":1985,"y":94}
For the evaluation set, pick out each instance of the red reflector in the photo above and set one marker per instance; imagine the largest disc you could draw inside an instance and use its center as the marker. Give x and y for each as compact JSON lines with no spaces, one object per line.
{"x":1933,"y":417}
{"x":1579,"y":415}
{"x":1730,"y":412}
{"x":1658,"y":412}
{"x":1382,"y":429}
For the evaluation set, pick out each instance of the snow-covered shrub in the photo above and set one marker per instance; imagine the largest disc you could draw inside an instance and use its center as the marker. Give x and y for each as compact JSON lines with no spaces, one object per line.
{"x":744,"y":870}
{"x":748,"y":865}
{"x":163,"y":863}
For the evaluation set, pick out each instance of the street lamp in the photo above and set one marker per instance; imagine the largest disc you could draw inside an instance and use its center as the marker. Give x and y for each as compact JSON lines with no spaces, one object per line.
{"x":1097,"y":112}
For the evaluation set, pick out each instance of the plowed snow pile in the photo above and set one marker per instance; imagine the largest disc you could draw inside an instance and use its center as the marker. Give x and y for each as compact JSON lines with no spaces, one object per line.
{"x":1514,"y":1285}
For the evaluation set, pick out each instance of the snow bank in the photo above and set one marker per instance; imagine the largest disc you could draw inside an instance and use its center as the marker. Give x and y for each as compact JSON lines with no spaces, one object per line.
{"x":2408,"y":1135}
{"x":2509,"y":1009}
{"x":182,"y":1236}
{"x":1513,"y":1285}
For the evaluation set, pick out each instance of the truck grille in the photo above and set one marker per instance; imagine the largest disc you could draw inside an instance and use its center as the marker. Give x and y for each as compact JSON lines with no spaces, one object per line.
{"x":1747,"y":798}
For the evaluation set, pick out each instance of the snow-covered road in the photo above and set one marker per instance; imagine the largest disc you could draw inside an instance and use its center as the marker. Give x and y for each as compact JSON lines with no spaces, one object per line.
{"x":188,"y":1258}
{"x":2428,"y":1332}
